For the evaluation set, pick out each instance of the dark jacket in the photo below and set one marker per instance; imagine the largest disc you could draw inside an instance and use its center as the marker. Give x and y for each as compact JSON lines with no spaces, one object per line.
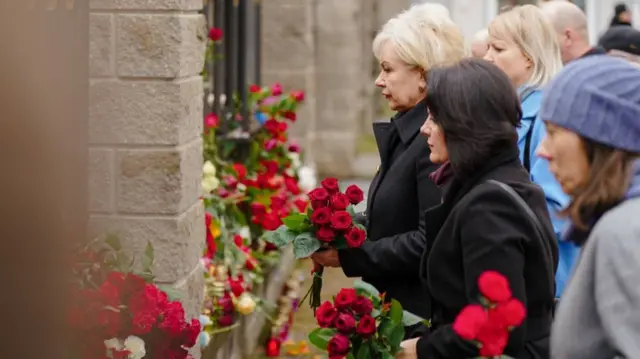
{"x":399,"y":193}
{"x":480,"y":227}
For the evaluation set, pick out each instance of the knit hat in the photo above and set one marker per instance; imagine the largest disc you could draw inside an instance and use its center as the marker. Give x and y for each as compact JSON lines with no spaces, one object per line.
{"x":597,"y":97}
{"x":622,"y":38}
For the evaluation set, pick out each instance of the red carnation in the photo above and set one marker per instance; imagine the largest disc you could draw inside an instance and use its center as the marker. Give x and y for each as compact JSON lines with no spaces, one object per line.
{"x":493,"y":340}
{"x":345,"y":298}
{"x":366,"y":326}
{"x":338,"y":346}
{"x":511,"y":313}
{"x":341,"y":220}
{"x":345,"y":323}
{"x":362,"y":305}
{"x":215,"y":34}
{"x":258,"y":209}
{"x":325,"y":234}
{"x":339,"y":201}
{"x":237,"y":286}
{"x":276,"y":89}
{"x":225,"y":320}
{"x":326,"y":314}
{"x":330,"y":184}
{"x":319,"y":194}
{"x":301,"y":204}
{"x":355,"y":237}
{"x":355,"y":194}
{"x":298,"y":95}
{"x":271,"y":221}
{"x":211,"y":121}
{"x":292,"y":185}
{"x":241,"y":171}
{"x":321,"y":216}
{"x":469,"y":321}
{"x":494,"y":286}
{"x":254,"y":88}
{"x":226,"y":304}
{"x":318,"y":204}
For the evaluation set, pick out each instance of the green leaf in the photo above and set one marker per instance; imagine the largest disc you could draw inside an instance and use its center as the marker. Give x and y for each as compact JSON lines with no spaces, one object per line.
{"x":395,"y":337}
{"x":386,"y":355}
{"x":320,"y":337}
{"x":352,"y":211}
{"x":362,"y":287}
{"x":409,"y":319}
{"x":295,"y":221}
{"x":305,"y":245}
{"x":396,"y":312}
{"x":113,"y":242}
{"x":148,"y":258}
{"x":364,"y":352}
{"x":339,"y":243}
{"x":172,"y":292}
{"x":281,"y":237}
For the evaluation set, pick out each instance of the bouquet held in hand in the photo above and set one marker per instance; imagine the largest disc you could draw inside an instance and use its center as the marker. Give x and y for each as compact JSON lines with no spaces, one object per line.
{"x":329,"y":222}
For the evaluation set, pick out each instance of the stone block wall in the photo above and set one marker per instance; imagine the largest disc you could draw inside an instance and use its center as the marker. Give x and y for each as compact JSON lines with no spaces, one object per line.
{"x":145,"y":121}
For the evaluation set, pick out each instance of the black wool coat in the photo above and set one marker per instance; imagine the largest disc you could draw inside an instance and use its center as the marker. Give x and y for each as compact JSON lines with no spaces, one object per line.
{"x":399,"y":193}
{"x":480,"y":227}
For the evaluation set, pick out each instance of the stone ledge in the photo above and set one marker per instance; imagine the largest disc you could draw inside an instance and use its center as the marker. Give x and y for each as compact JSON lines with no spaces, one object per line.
{"x":146,"y":4}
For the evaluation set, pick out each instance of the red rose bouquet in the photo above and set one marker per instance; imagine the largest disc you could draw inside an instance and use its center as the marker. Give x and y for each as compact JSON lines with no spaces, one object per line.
{"x":488,"y":324}
{"x":329,"y":222}
{"x":359,"y":324}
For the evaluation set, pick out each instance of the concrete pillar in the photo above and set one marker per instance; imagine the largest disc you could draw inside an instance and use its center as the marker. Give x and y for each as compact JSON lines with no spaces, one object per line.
{"x":145,"y":121}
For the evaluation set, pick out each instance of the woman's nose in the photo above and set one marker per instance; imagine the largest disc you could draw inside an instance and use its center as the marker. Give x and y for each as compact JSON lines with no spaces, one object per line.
{"x":487,"y":56}
{"x":379,"y":82}
{"x":543,"y":149}
{"x":424,"y":129}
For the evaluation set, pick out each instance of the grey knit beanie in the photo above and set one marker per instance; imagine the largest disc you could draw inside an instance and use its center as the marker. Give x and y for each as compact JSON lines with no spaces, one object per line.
{"x":597,"y":97}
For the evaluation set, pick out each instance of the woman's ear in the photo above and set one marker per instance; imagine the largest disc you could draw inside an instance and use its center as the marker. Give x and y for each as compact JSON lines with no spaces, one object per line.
{"x":422,"y":84}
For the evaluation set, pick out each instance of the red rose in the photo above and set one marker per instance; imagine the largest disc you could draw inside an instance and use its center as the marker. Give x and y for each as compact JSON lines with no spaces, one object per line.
{"x":237,"y":286}
{"x":321,"y":216}
{"x":366,"y":326}
{"x":330,"y":184}
{"x":362,"y":305}
{"x":301,"y":204}
{"x":325,"y":234}
{"x":294,"y":147}
{"x":292,"y":185}
{"x":511,"y":313}
{"x":278,"y":202}
{"x":298,"y":95}
{"x":355,"y":237}
{"x":254,"y":88}
{"x":319,"y":194}
{"x":211,"y":121}
{"x":355,"y":194}
{"x":345,"y":298}
{"x":271,"y":221}
{"x":215,"y":34}
{"x":225,"y":320}
{"x":282,"y":127}
{"x":493,"y":340}
{"x":142,"y":323}
{"x":109,"y":321}
{"x":338,"y":346}
{"x":271,"y":125}
{"x":339,"y":201}
{"x":226,"y":304}
{"x":238,"y":240}
{"x":241,"y":171}
{"x":326,"y":314}
{"x":258,"y":208}
{"x":345,"y":323}
{"x":190,"y":333}
{"x":341,"y":220}
{"x":290,"y":115}
{"x":270,"y":166}
{"x":494,"y":286}
{"x":469,"y":321}
{"x":276,"y":89}
{"x":318,"y":204}
{"x":133,"y":283}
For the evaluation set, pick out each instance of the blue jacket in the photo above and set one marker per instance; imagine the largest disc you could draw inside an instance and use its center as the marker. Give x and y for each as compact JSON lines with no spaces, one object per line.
{"x":540,"y":175}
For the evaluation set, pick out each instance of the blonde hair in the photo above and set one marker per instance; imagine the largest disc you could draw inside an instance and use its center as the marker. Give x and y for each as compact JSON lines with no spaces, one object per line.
{"x":423,"y":36}
{"x":527,"y":27}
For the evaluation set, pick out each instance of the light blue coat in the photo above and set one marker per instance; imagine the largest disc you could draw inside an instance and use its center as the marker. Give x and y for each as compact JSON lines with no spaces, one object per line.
{"x":540,"y":175}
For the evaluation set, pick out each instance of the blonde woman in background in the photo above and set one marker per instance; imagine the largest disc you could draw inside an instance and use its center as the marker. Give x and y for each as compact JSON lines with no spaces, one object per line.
{"x":407,"y":46}
{"x":480,"y":44}
{"x":524,"y":45}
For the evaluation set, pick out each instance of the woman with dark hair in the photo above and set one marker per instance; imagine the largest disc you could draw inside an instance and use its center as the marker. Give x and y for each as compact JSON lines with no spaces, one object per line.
{"x":593,"y":146}
{"x":621,"y":16}
{"x":492,"y":218}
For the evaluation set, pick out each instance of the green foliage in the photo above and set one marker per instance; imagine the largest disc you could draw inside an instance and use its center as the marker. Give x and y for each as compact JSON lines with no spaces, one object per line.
{"x":304,"y":245}
{"x":320,"y":337}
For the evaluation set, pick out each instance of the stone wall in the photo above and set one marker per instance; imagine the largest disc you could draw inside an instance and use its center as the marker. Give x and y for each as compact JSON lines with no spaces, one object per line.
{"x":145,"y":120}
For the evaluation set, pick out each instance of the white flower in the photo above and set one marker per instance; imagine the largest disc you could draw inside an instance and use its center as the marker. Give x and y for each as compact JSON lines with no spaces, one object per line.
{"x":244,"y":232}
{"x":295,"y":159}
{"x":205,"y":320}
{"x":241,"y":187}
{"x":113,"y":343}
{"x":308,"y":179}
{"x":246,"y":304}
{"x":289,"y":172}
{"x":135,"y":346}
{"x":209,"y":169}
{"x":210,"y":183}
{"x":204,"y":338}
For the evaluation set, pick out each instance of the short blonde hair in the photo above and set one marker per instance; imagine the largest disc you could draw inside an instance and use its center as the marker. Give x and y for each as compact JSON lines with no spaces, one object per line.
{"x":423,"y":36}
{"x":527,"y":27}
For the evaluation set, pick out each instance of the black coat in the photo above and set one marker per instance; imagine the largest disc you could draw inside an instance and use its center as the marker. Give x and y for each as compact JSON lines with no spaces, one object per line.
{"x":480,"y":227}
{"x":399,"y":193}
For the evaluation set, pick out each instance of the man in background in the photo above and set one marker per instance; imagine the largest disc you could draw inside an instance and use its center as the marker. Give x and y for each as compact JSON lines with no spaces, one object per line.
{"x":572,"y":29}
{"x":479,"y":44}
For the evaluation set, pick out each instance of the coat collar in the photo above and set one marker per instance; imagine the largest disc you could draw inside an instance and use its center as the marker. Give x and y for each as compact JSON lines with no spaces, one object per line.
{"x":408,"y":123}
{"x":530,"y":102}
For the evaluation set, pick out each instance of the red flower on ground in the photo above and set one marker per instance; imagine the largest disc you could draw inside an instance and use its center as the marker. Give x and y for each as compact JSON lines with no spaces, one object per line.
{"x":271,"y":221}
{"x":494,"y":286}
{"x":290,"y":115}
{"x":355,"y":237}
{"x":331,"y":184}
{"x":355,"y":194}
{"x":321,"y":216}
{"x":240,"y":170}
{"x":345,"y":298}
{"x":215,"y":34}
{"x":276,"y":89}
{"x":301,"y":204}
{"x":254,"y":88}
{"x":294,"y":147}
{"x":338,"y":346}
{"x":469,"y":321}
{"x":297,"y":95}
{"x":211,"y":121}
{"x":325,"y":234}
{"x":292,"y":185}
{"x":366,"y":326}
{"x":341,"y":220}
{"x":225,"y":320}
{"x":326,"y":315}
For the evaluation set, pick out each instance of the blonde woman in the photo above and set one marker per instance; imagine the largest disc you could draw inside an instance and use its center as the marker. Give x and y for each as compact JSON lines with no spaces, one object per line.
{"x":524,"y":45}
{"x":407,"y":46}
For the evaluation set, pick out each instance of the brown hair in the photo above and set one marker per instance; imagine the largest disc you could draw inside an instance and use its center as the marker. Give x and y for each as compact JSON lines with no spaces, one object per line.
{"x":607,"y":181}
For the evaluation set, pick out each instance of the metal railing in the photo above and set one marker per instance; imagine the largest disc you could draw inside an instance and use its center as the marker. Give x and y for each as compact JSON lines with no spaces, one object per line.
{"x":236,"y":62}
